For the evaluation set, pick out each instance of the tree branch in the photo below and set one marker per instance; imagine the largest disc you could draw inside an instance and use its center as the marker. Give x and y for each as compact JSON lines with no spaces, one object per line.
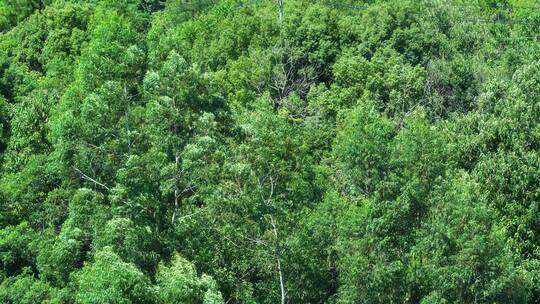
{"x":88,"y":178}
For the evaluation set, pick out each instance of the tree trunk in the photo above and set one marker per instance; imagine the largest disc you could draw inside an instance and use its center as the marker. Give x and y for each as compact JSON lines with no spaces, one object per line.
{"x":278,"y":262}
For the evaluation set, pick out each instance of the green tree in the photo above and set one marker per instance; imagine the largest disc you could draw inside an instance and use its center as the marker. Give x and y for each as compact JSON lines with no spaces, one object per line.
{"x":24,"y":289}
{"x":91,"y":126}
{"x":134,"y":244}
{"x":12,"y":12}
{"x":17,"y":249}
{"x":110,"y":280}
{"x":179,"y":283}
{"x":66,"y":253}
{"x":462,"y":254}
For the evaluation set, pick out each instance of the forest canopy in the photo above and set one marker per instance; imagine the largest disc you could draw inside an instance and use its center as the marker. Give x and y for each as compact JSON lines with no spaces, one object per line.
{"x":211,"y":152}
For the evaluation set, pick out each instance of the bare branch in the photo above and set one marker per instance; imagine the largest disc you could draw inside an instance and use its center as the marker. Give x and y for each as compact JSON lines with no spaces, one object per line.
{"x":193,"y":214}
{"x":88,"y":178}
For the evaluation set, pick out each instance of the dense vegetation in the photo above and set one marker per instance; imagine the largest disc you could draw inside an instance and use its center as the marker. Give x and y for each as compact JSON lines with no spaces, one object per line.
{"x":206,"y":152}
